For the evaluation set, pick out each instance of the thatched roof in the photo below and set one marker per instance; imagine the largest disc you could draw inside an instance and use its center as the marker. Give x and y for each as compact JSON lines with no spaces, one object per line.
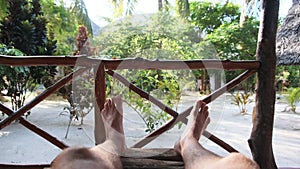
{"x":288,"y":37}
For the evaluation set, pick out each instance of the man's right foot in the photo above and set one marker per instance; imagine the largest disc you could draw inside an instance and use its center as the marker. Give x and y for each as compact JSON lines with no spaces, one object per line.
{"x":197,"y":123}
{"x":113,"y":115}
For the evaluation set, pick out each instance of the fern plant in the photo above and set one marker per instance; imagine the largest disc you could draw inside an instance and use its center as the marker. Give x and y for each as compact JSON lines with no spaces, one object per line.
{"x":242,"y":100}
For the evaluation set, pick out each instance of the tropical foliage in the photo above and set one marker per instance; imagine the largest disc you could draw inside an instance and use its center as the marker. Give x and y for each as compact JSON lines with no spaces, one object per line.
{"x":208,"y":16}
{"x":15,"y":82}
{"x":24,"y":29}
{"x":63,"y":22}
{"x":122,"y":8}
{"x":156,"y":38}
{"x":183,"y":8}
{"x":3,"y":8}
{"x":289,"y":75}
{"x":236,"y":43}
{"x":61,"y":25}
{"x":220,"y":24}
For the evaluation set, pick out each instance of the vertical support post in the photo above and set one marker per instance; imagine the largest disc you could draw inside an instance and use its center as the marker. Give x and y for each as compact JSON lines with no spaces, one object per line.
{"x":100,"y":87}
{"x":260,"y":141}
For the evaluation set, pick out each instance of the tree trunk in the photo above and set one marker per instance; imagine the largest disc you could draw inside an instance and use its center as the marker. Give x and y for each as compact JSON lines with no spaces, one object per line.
{"x":260,"y":141}
{"x":243,"y":16}
{"x":160,"y":5}
{"x":295,"y":1}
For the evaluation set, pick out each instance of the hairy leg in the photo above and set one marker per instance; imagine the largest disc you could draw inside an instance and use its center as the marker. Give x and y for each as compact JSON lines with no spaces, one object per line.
{"x":195,"y":156}
{"x":102,"y":156}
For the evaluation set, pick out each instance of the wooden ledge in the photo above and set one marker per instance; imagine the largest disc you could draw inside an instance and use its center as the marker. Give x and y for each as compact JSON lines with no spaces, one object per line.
{"x":134,"y":158}
{"x":156,"y":158}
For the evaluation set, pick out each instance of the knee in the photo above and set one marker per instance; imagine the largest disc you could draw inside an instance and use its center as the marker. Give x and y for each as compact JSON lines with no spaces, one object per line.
{"x":67,"y":156}
{"x":240,"y":161}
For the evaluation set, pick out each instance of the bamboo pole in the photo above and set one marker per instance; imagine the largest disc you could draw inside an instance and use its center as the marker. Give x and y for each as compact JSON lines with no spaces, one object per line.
{"x":40,"y":97}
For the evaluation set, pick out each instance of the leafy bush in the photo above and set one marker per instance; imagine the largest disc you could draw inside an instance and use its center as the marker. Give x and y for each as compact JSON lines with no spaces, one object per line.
{"x":15,"y":82}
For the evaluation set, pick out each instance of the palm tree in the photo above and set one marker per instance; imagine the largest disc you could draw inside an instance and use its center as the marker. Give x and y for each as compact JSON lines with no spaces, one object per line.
{"x":163,"y":5}
{"x":119,"y":7}
{"x":160,"y":5}
{"x":79,"y":9}
{"x":250,"y":8}
{"x":130,"y":7}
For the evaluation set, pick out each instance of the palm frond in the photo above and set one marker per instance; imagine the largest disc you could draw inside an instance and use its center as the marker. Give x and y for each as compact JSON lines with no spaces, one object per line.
{"x":130,"y":7}
{"x":80,"y":10}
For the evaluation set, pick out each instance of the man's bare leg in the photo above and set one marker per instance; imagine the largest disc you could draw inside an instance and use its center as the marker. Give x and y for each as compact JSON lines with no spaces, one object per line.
{"x":102,"y":156}
{"x":197,"y":157}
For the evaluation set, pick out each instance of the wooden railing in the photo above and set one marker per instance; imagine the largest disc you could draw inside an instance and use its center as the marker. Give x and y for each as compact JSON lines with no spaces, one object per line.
{"x":103,"y":67}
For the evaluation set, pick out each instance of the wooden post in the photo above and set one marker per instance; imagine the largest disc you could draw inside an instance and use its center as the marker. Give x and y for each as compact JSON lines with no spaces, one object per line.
{"x":99,"y":130}
{"x":260,"y":141}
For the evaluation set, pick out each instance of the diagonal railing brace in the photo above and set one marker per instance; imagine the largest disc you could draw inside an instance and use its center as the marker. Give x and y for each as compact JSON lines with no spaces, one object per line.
{"x":35,"y":129}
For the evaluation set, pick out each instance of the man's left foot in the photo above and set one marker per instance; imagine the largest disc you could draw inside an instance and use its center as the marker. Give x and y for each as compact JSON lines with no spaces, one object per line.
{"x":112,"y":114}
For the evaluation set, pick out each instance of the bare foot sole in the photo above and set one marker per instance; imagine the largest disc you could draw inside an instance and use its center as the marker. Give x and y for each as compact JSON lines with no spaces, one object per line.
{"x":197,"y":123}
{"x":112,"y":114}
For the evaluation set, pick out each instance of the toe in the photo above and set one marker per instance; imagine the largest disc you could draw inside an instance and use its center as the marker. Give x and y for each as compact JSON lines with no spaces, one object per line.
{"x":105,"y":108}
{"x":110,"y":103}
{"x":198,"y":104}
{"x":203,"y":104}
